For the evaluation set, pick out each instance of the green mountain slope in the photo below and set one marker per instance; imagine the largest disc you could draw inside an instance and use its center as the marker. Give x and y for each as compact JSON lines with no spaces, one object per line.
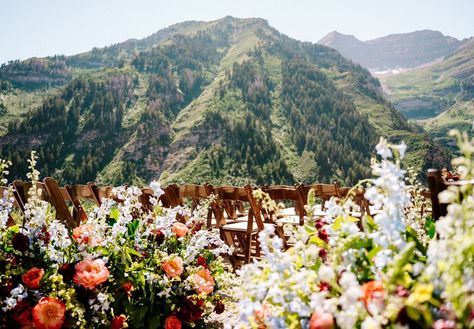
{"x":227,"y":101}
{"x":442,"y":93}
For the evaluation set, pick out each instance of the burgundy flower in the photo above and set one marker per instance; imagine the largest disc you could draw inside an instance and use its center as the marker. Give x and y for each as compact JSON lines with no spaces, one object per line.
{"x":21,"y":314}
{"x":67,"y":271}
{"x":6,"y":287}
{"x":201,"y":261}
{"x":191,"y":310}
{"x":157,"y":237}
{"x":322,"y":253}
{"x":20,"y":242}
{"x":219,"y":307}
{"x":44,"y":235}
{"x":323,"y":235}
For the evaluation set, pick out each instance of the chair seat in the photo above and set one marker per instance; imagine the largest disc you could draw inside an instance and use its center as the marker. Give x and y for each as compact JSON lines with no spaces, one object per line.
{"x":294,"y":220}
{"x":242,"y":226}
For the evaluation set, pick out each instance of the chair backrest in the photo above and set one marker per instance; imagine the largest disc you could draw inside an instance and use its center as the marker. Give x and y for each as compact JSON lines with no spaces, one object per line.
{"x":288,"y":193}
{"x":231,"y":194}
{"x":77,"y":193}
{"x":196,"y":193}
{"x":437,"y":184}
{"x":321,"y":191}
{"x":50,"y":192}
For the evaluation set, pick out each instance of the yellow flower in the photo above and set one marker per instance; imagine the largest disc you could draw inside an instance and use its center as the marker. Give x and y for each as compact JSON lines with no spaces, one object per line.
{"x":422,"y":293}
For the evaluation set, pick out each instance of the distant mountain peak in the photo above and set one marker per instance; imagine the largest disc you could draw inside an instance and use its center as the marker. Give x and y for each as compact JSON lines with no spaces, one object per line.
{"x":401,"y":50}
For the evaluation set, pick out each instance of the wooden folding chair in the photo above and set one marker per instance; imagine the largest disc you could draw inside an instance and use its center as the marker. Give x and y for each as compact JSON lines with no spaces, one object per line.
{"x":324,"y":192}
{"x":294,"y":215}
{"x":50,"y":192}
{"x":241,"y":235}
{"x":357,"y":196}
{"x":437,"y":184}
{"x":77,"y":193}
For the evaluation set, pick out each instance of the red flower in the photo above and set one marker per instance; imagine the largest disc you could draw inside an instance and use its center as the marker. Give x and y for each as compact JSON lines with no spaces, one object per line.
{"x":49,"y":313}
{"x":119,"y":322}
{"x":172,"y":322}
{"x":372,"y":291}
{"x":128,"y":287}
{"x":44,"y":235}
{"x":201,"y":261}
{"x":321,"y":320}
{"x":32,"y":278}
{"x":21,"y":313}
{"x":323,"y":286}
{"x":323,"y":235}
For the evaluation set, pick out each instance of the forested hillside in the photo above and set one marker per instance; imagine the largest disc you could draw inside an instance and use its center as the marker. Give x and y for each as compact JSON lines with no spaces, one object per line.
{"x":227,"y":101}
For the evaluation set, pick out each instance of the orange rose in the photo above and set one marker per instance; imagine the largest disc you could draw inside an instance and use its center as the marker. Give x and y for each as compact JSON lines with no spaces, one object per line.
{"x":372,"y":290}
{"x":85,"y":234}
{"x":172,"y":322}
{"x":321,"y":320}
{"x":179,"y":229}
{"x":49,"y":313}
{"x":128,"y":287}
{"x":32,"y":278}
{"x":203,"y":281}
{"x":119,"y":322}
{"x":173,"y":267}
{"x":91,"y":273}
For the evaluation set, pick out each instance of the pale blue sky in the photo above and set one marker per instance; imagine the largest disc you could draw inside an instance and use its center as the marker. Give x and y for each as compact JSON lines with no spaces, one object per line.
{"x":47,"y":27}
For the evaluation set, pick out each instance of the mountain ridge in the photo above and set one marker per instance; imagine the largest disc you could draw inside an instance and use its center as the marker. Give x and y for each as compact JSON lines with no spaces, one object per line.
{"x":400,"y":50}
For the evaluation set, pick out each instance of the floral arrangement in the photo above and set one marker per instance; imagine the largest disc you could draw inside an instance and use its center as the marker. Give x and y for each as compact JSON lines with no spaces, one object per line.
{"x":123,"y":267}
{"x":392,"y":270}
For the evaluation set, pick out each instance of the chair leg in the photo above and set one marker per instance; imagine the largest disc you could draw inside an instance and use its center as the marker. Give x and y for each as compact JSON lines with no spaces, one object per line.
{"x":248,"y":248}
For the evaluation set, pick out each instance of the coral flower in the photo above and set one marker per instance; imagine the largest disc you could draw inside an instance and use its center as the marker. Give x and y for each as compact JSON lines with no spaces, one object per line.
{"x":32,"y":278}
{"x":321,"y":320}
{"x":372,"y":290}
{"x":91,"y":273}
{"x":203,"y":281}
{"x":179,"y":229}
{"x":172,"y":322}
{"x":49,"y":313}
{"x":173,"y":267}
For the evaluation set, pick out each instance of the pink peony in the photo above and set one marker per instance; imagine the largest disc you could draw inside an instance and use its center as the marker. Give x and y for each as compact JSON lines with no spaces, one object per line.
{"x":179,"y":229}
{"x":91,"y":273}
{"x":173,"y":267}
{"x":321,"y":320}
{"x":203,"y":281}
{"x":85,"y":234}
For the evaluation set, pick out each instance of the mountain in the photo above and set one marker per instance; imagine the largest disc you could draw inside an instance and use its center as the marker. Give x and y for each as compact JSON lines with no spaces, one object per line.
{"x":394,"y":51}
{"x":442,"y":93}
{"x":227,"y":102}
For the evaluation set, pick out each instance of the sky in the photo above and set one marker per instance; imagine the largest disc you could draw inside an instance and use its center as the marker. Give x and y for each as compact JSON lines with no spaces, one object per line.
{"x":47,"y":27}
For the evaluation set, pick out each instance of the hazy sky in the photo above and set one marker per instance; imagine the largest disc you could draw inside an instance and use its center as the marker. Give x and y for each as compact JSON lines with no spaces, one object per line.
{"x":47,"y":27}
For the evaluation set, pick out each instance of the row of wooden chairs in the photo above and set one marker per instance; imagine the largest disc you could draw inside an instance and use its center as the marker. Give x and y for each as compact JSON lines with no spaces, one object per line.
{"x":235,"y":210}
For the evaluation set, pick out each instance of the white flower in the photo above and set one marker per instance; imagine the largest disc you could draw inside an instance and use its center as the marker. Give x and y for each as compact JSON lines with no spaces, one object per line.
{"x":156,"y":187}
{"x":326,"y":273}
{"x":383,"y":149}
